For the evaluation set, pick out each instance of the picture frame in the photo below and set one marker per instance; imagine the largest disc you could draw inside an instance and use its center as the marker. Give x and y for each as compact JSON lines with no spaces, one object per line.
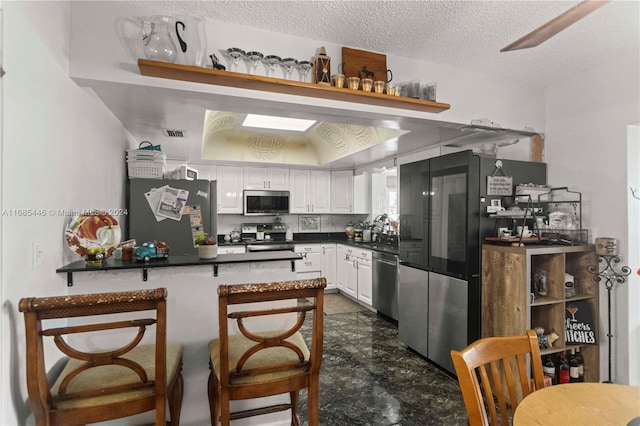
{"x":309,"y":223}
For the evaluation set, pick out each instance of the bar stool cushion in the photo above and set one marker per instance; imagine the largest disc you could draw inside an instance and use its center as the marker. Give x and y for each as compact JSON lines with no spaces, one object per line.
{"x":239,"y":344}
{"x":111,"y":375}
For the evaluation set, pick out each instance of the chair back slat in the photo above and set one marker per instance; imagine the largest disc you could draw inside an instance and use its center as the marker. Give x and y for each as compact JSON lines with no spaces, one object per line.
{"x":495,"y":373}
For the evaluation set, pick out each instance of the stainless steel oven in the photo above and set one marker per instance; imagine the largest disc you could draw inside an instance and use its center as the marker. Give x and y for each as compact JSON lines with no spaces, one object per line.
{"x":266,"y":237}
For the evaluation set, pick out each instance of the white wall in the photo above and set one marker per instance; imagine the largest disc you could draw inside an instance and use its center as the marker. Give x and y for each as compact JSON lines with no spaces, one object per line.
{"x":587,"y":119}
{"x":62,"y":150}
{"x":633,"y":171}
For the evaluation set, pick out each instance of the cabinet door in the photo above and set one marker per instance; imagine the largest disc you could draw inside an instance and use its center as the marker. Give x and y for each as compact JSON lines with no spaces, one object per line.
{"x":365,"y":281}
{"x":229,"y":187}
{"x":255,"y":178}
{"x":278,"y":179}
{"x":299,"y":197}
{"x":329,"y":264}
{"x":351,"y":276}
{"x":320,"y":191}
{"x":342,"y":194}
{"x":340,"y":267}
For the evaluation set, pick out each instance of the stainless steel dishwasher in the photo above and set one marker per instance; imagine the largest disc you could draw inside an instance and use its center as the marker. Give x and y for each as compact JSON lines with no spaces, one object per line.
{"x":385,"y":284}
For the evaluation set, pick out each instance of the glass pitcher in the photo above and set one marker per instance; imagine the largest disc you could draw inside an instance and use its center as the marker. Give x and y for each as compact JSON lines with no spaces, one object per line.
{"x":156,"y":38}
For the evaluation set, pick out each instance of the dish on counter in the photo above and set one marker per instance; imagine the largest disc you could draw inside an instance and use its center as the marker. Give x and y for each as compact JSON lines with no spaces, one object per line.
{"x":89,"y":231}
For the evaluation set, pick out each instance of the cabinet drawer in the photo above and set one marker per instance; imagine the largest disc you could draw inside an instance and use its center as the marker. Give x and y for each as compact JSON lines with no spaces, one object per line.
{"x":233,"y":249}
{"x":311,"y":262}
{"x":308,"y":248}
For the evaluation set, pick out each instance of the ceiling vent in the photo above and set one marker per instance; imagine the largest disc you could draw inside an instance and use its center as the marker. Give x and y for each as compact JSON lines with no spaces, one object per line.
{"x":173,"y":133}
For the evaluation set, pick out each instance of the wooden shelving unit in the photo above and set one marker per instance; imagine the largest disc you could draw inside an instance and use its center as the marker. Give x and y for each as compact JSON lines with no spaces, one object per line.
{"x":277,"y":85}
{"x":507,"y":308}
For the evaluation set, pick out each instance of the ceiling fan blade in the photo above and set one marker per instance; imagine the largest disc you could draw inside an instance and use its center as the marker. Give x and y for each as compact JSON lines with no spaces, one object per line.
{"x":557,"y":24}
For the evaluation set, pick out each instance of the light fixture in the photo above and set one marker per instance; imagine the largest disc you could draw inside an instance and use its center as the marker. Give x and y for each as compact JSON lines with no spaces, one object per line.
{"x":277,"y":123}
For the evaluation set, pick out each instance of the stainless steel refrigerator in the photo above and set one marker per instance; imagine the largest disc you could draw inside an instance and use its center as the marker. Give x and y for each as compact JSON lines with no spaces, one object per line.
{"x":173,"y":211}
{"x":443,"y":223}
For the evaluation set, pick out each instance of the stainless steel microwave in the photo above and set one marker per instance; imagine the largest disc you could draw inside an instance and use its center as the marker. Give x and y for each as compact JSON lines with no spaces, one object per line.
{"x":261,"y":203}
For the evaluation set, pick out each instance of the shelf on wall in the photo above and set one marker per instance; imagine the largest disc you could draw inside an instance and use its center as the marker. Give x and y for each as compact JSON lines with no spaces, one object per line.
{"x":291,"y":87}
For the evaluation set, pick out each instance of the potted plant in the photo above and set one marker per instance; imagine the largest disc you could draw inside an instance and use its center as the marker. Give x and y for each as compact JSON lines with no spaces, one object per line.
{"x":207,"y":247}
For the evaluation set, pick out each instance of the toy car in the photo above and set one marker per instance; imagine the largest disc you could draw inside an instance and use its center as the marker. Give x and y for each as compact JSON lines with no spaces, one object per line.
{"x":152,"y":250}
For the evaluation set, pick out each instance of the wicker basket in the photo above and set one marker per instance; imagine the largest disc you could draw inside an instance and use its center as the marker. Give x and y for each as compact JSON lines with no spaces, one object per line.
{"x":145,"y":169}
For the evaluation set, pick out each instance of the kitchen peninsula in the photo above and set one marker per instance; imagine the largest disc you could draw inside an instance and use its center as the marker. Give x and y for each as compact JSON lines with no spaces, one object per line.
{"x":192,"y":305}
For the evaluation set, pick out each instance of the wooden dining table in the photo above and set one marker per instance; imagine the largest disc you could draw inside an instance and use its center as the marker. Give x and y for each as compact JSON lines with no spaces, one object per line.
{"x":580,"y":404}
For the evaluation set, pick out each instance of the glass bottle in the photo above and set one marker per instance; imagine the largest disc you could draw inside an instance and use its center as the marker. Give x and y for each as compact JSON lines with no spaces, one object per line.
{"x":574,"y":368}
{"x":549,"y":369}
{"x":563,"y":369}
{"x":580,"y":361}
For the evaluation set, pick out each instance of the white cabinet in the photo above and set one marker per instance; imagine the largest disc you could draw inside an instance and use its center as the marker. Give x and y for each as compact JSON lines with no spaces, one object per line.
{"x":231,"y":249}
{"x":329,"y":264}
{"x":266,"y":178}
{"x":362,"y":193}
{"x":310,"y":191}
{"x":318,"y":260}
{"x":365,"y":281}
{"x":311,"y":257}
{"x":354,"y":273}
{"x":342,"y":194}
{"x":229,"y":187}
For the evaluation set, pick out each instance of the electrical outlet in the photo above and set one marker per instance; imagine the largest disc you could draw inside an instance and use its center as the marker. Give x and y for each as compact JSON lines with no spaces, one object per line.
{"x":36,"y":254}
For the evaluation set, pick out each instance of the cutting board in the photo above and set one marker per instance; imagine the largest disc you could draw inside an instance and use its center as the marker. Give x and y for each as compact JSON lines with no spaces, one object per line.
{"x":360,"y":63}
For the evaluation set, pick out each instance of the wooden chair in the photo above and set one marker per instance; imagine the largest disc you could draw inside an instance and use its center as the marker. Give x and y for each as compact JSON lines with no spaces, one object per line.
{"x":254,"y":364}
{"x":495,"y":371}
{"x":109,"y":384}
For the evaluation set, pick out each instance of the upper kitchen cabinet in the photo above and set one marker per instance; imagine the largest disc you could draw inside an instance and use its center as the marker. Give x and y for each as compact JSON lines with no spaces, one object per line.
{"x":230,"y":186}
{"x":310,"y":191}
{"x":342,"y":193}
{"x":266,"y":178}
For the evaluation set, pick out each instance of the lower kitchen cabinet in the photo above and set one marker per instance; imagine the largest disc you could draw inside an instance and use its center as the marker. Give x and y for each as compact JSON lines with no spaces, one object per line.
{"x":354,"y":273}
{"x":318,"y":261}
{"x":329,"y":265}
{"x":512,"y":300}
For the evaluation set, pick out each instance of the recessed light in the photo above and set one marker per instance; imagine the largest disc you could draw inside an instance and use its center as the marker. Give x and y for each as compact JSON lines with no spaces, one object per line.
{"x":277,"y":123}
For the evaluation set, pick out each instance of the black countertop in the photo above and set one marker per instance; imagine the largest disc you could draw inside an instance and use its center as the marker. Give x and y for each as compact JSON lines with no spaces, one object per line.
{"x":178,"y":261}
{"x":326,"y":237}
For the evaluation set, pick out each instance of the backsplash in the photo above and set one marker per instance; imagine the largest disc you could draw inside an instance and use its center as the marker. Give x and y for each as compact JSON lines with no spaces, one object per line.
{"x":328,"y":222}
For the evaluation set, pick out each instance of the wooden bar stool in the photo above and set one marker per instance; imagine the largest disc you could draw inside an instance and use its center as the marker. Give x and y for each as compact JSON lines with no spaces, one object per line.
{"x":254,"y":364}
{"x":96,"y":386}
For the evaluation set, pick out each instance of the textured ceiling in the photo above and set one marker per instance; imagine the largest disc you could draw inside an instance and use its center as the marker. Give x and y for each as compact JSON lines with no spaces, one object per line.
{"x":467,"y":34}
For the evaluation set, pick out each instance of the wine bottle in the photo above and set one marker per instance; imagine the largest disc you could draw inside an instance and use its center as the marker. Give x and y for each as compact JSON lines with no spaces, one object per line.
{"x":574,"y":368}
{"x":563,"y":369}
{"x":580,"y":361}
{"x":549,"y":369}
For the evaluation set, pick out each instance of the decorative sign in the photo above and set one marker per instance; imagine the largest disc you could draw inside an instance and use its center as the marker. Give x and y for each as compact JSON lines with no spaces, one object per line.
{"x":579,"y":327}
{"x":499,"y":185}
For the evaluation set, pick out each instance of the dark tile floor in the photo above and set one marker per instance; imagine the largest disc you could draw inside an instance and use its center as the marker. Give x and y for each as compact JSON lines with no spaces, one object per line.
{"x":369,"y":378}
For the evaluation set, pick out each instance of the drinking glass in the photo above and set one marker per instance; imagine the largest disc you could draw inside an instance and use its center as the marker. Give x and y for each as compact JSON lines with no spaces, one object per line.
{"x":353,"y":82}
{"x":378,"y":86}
{"x":272,"y":62}
{"x":288,"y":64}
{"x":366,"y":84}
{"x":304,"y":67}
{"x":235,"y":54}
{"x":391,"y":89}
{"x":338,"y":80}
{"x":254,"y":59}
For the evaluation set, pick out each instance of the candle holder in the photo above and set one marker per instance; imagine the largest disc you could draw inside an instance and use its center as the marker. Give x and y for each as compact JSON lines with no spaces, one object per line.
{"x":609,"y":271}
